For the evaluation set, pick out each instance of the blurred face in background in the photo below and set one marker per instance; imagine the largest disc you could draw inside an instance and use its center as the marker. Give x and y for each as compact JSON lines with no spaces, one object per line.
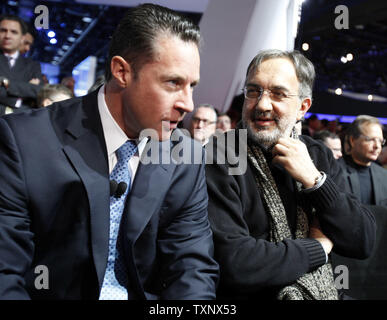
{"x":27,"y":42}
{"x":367,"y":147}
{"x":55,"y":98}
{"x":10,"y":36}
{"x":335,"y":146}
{"x":223,"y":123}
{"x":203,"y":124}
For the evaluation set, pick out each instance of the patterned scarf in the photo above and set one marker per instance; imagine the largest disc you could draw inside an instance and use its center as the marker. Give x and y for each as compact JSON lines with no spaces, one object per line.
{"x":315,"y":285}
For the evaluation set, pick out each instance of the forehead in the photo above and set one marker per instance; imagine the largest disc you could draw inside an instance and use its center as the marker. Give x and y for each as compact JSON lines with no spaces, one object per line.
{"x":275,"y":71}
{"x":371,"y":130}
{"x":333,"y":142}
{"x":28,"y":38}
{"x":177,"y":56}
{"x":205,"y":113}
{"x":11,"y":24}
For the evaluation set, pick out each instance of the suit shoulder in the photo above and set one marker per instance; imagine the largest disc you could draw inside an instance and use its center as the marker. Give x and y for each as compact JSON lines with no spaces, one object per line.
{"x":33,"y":116}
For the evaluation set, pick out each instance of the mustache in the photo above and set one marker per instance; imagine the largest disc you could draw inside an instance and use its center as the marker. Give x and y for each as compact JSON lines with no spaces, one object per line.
{"x":265,"y":115}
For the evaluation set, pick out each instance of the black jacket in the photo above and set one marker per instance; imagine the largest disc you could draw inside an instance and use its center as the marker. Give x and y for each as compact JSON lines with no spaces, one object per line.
{"x":378,"y":177}
{"x":250,"y":265}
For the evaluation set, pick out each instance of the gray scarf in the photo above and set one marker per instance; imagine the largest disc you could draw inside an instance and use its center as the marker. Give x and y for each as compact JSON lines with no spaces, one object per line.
{"x":315,"y":285}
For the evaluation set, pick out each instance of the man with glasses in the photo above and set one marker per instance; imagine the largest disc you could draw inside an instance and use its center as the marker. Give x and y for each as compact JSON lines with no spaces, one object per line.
{"x":276,"y":223}
{"x":366,"y":179}
{"x":203,"y":123}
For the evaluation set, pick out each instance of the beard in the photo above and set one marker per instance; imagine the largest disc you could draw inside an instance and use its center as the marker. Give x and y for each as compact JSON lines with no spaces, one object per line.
{"x":267,"y":137}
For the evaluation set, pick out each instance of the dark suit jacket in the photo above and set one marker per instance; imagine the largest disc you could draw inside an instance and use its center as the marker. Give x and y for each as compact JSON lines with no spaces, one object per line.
{"x":54,"y":211}
{"x":378,"y":177}
{"x":19,"y":76}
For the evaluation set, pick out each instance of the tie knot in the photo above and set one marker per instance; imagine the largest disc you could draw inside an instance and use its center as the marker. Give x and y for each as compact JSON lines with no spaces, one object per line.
{"x":126,"y":151}
{"x":10,"y":60}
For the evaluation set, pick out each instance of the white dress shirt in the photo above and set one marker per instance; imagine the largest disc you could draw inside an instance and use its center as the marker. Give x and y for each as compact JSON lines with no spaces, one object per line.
{"x":115,"y":137}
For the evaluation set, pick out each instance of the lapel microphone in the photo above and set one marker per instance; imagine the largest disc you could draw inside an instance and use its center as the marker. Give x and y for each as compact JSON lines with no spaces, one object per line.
{"x":117,"y":189}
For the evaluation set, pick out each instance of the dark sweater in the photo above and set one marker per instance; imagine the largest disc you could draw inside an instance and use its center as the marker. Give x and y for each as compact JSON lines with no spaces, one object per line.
{"x":253,"y":267}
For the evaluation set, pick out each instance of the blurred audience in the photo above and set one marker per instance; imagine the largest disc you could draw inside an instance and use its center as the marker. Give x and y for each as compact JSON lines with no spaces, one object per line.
{"x":27,"y":41}
{"x":203,"y":123}
{"x":69,"y":82}
{"x":365,"y":179}
{"x":331,"y":140}
{"x":20,"y":77}
{"x":223,"y":123}
{"x":51,"y":93}
{"x":382,"y":159}
{"x":313,"y":124}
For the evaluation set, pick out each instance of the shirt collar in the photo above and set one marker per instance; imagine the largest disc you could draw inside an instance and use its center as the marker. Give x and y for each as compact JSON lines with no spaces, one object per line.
{"x":115,"y":137}
{"x":13,"y":55}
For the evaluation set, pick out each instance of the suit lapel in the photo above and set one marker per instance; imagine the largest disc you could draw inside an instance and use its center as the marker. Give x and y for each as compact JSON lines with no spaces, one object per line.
{"x":147,"y":192}
{"x":353,"y":180}
{"x":4,"y":65}
{"x":145,"y":200}
{"x":86,"y":150}
{"x":19,"y":65}
{"x":376,"y":183}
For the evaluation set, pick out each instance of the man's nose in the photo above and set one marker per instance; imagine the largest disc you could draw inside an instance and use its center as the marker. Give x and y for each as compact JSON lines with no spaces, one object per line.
{"x":185,"y":102}
{"x":264,"y":102}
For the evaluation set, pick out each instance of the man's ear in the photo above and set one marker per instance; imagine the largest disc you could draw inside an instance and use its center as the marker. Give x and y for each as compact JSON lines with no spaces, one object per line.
{"x":351,"y":140}
{"x":305,"y":105}
{"x":121,"y":71}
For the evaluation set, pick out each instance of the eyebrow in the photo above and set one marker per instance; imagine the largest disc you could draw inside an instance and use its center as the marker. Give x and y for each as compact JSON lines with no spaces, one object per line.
{"x":179,"y":78}
{"x":277,"y":87}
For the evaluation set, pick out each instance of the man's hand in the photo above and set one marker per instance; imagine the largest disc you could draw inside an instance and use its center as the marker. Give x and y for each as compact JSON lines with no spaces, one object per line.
{"x":293,"y":155}
{"x":316,"y":233}
{"x":34,"y":81}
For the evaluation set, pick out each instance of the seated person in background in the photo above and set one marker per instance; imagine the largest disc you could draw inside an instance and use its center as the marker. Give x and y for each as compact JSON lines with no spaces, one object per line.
{"x":365,"y":179}
{"x":331,"y":140}
{"x":28,"y":41}
{"x":223,"y":123}
{"x":51,"y":93}
{"x":313,"y":124}
{"x":203,"y":123}
{"x":276,"y":222}
{"x":20,"y":77}
{"x":68,"y":82}
{"x":382,"y":159}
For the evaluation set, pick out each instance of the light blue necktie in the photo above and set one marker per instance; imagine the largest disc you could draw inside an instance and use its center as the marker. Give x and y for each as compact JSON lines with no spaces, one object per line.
{"x":115,"y":281}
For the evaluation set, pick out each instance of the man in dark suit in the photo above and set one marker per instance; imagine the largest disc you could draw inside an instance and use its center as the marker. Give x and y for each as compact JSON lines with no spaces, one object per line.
{"x":54,"y":173}
{"x":20,"y":77}
{"x":365,"y":179}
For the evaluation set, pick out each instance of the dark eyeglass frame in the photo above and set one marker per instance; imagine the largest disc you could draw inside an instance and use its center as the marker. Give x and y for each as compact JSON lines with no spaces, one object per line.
{"x":274,"y":94}
{"x":205,"y":121}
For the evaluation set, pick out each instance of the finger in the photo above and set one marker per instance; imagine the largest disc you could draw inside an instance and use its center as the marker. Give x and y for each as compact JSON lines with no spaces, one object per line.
{"x":287,"y":141}
{"x":279,"y":149}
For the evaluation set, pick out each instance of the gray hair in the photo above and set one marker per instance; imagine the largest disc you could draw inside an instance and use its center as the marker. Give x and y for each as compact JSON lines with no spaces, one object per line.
{"x":206,"y":105}
{"x":304,"y":68}
{"x":354,"y":130}
{"x":49,"y":91}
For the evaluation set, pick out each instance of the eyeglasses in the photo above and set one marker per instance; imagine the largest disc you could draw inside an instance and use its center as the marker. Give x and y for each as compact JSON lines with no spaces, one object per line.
{"x":275,"y":94}
{"x":376,"y":140}
{"x":205,"y":121}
